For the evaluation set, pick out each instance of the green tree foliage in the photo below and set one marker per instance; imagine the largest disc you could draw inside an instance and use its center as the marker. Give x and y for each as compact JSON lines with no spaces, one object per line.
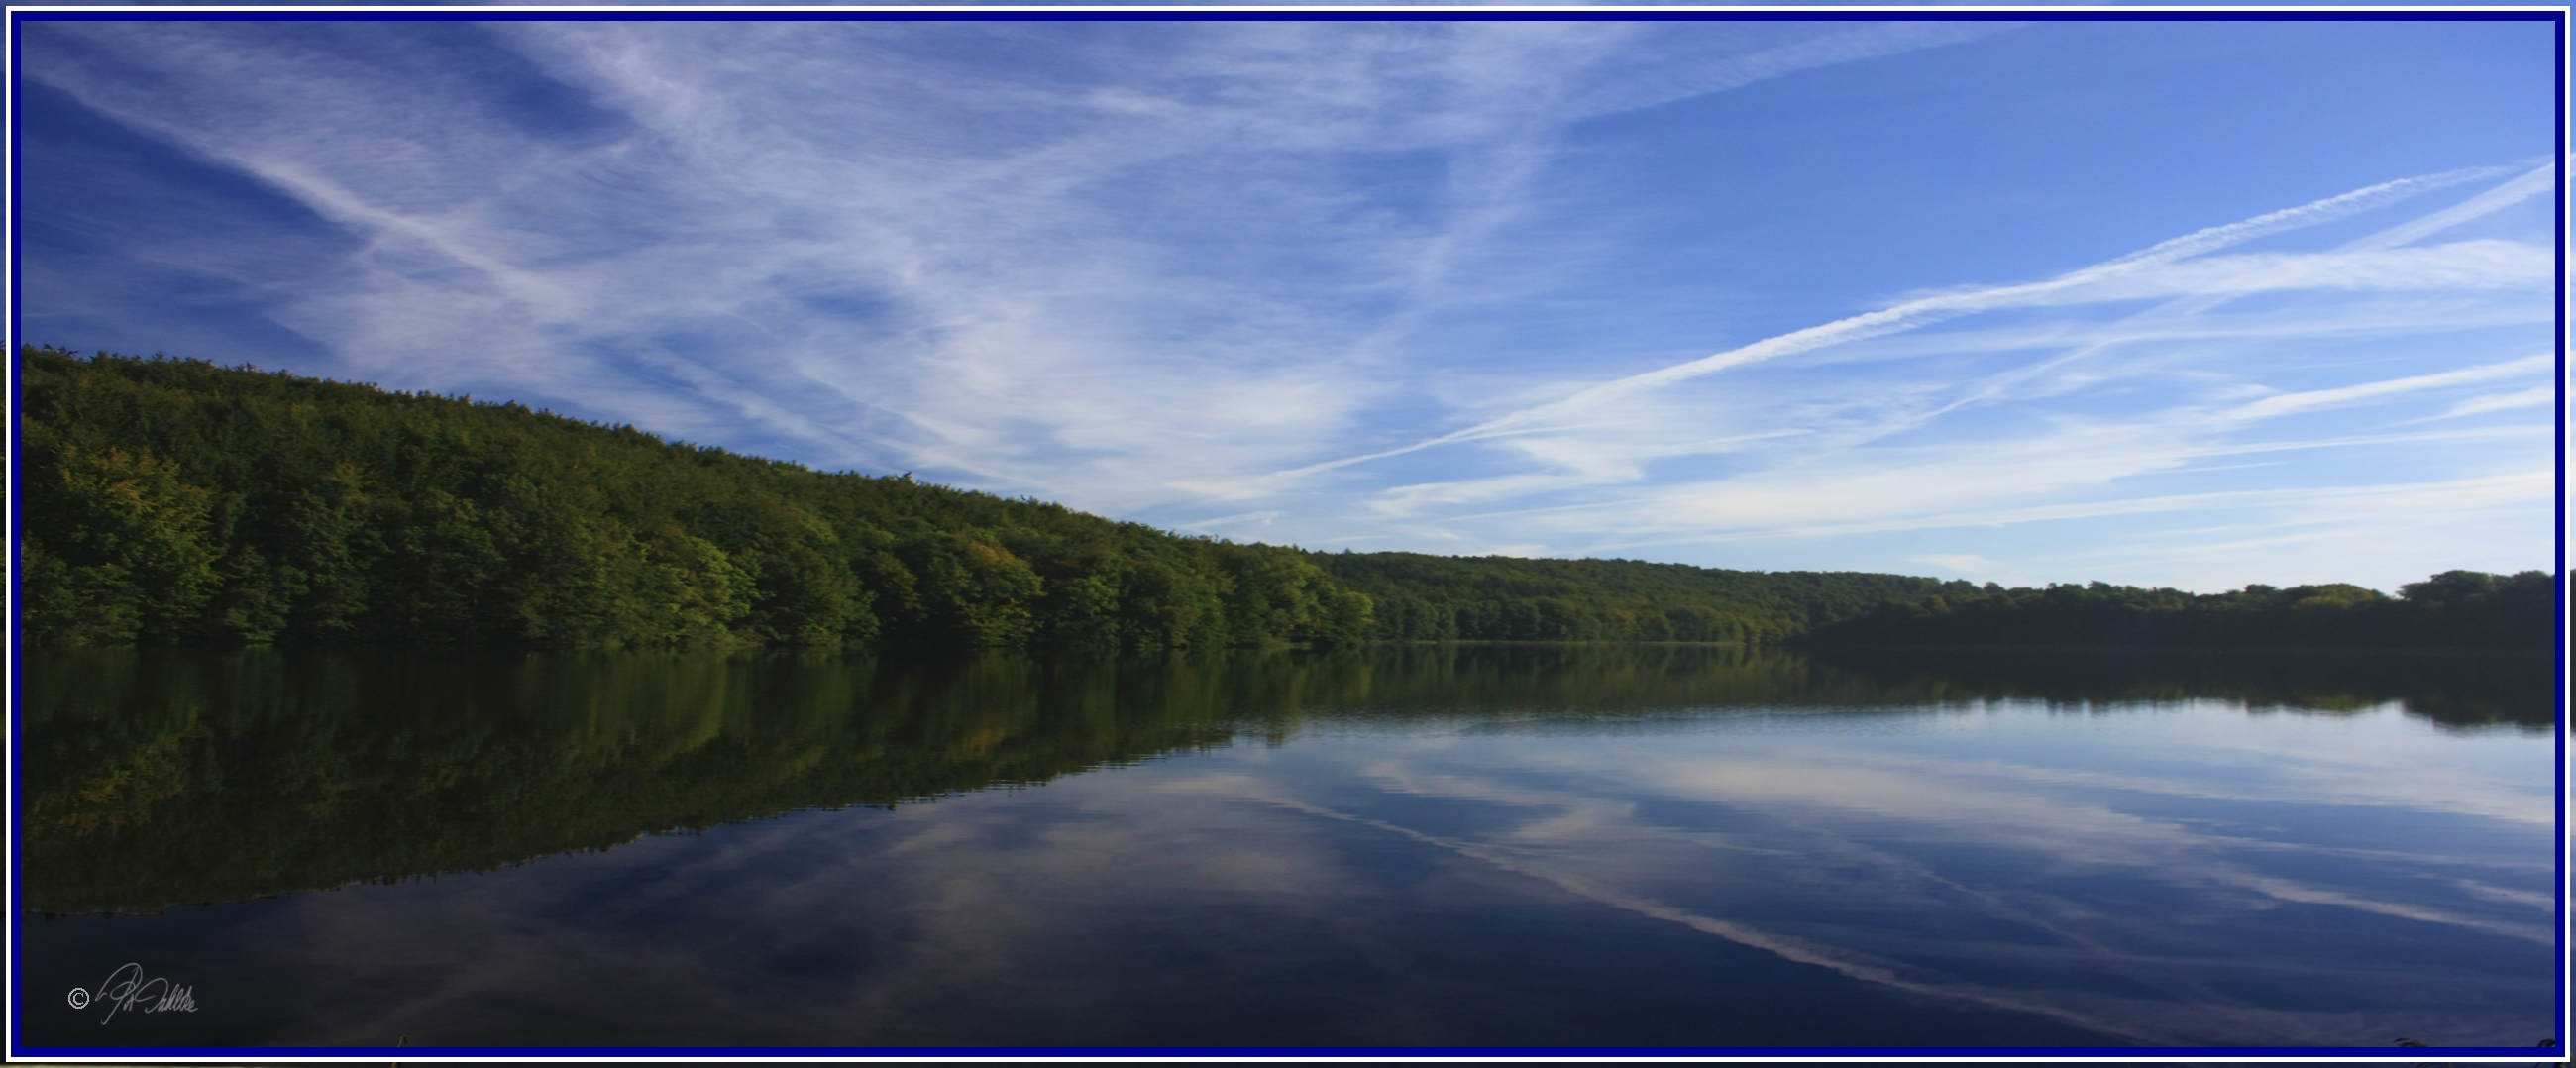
{"x":175,"y":501}
{"x":125,"y":553}
{"x":1496,"y":598}
{"x":2455,"y":609}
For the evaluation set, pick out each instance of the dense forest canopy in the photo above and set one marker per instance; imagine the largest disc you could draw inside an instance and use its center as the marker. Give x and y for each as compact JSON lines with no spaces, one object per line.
{"x":1417,"y":597}
{"x":172,"y":501}
{"x":178,"y":502}
{"x":2454,"y":608}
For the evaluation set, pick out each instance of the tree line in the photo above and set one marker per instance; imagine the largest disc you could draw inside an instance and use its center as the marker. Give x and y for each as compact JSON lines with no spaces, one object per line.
{"x":1497,"y":598}
{"x":178,"y":502}
{"x":2470,"y":609}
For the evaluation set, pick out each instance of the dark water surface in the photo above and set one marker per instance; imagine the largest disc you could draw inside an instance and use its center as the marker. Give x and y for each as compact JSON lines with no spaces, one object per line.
{"x":1411,"y":846}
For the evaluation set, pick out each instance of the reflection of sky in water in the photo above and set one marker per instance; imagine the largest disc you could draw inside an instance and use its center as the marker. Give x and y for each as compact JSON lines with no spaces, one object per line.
{"x":2185,"y":874}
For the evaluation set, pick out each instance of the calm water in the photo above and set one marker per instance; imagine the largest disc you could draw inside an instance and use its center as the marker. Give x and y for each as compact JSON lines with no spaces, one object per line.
{"x":1457,"y":846}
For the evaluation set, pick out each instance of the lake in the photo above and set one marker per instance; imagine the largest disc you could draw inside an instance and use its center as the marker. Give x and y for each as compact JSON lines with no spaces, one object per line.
{"x":1408,"y":846}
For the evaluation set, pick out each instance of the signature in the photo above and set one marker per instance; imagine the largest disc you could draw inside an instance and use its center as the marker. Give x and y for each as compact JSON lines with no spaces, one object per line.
{"x":126,"y":989}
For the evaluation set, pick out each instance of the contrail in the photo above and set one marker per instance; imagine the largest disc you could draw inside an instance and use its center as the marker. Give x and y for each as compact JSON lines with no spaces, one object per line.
{"x":1931,"y":309}
{"x":2534,"y":182}
{"x":2531,"y":183}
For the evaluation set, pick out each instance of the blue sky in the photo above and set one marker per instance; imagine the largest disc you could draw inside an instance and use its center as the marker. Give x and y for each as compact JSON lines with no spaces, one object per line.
{"x":2188,"y":303}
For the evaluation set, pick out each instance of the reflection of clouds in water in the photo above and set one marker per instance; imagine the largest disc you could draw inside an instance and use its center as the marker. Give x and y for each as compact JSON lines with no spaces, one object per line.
{"x":530,"y":952}
{"x":2070,"y":831}
{"x":1852,"y":841}
{"x":2456,"y":791}
{"x":987,"y":891}
{"x":2083,"y":882}
{"x":1846,"y":962}
{"x":912,"y":921}
{"x":2373,"y":757}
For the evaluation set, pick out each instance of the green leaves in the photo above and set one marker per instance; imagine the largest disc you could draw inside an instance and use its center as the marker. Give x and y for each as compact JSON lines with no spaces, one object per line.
{"x":325,"y":512}
{"x":2454,"y":609}
{"x":1433,"y":598}
{"x":692,"y":592}
{"x":975,"y":594}
{"x":176,"y":501}
{"x":123,"y":552}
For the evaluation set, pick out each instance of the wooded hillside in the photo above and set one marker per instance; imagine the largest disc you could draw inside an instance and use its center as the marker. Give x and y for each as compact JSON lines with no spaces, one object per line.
{"x":2456,"y":609}
{"x":175,"y":501}
{"x":178,"y":502}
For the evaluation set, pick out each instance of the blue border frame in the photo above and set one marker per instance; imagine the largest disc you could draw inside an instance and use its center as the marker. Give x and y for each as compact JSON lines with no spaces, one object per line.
{"x":17,"y":902}
{"x":1768,"y":1053}
{"x":2559,"y":17}
{"x":1262,"y":15}
{"x":2563,"y":715}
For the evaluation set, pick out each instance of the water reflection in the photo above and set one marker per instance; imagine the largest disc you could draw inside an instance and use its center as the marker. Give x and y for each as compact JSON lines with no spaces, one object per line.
{"x":1430,"y":845}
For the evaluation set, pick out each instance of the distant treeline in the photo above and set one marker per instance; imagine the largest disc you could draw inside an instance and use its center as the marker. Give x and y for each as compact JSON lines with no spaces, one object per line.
{"x":178,"y":502}
{"x":1499,"y":598}
{"x":2453,"y":609}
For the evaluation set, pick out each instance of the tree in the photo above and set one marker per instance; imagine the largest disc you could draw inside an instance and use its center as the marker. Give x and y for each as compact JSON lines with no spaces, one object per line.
{"x":122,"y":556}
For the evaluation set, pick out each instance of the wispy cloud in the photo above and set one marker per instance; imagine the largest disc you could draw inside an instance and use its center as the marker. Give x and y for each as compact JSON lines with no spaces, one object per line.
{"x":2133,"y":276}
{"x":871,"y":241}
{"x":1310,"y":272}
{"x":2496,"y":402}
{"x":1882,"y":459}
{"x":2287,"y":403}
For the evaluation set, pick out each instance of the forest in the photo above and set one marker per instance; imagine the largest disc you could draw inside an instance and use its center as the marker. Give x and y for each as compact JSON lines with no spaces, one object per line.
{"x":177,"y":502}
{"x":2457,"y":609}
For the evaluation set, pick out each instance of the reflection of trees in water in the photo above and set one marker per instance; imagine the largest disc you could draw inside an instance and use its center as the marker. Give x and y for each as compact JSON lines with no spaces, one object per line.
{"x":156,"y":776}
{"x":159,"y":776}
{"x":2451,"y":688}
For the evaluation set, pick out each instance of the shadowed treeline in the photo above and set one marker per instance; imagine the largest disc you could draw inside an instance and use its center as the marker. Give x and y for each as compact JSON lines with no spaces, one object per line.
{"x":2454,"y":609}
{"x":174,"y":502}
{"x":160,"y":776}
{"x":1418,"y":597}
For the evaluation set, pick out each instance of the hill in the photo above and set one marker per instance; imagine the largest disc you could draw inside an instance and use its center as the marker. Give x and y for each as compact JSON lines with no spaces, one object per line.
{"x":2455,"y":609}
{"x":178,"y":502}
